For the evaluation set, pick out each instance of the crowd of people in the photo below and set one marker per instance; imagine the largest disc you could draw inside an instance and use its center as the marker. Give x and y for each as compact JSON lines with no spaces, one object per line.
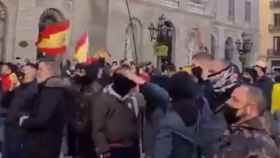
{"x":131,"y":110}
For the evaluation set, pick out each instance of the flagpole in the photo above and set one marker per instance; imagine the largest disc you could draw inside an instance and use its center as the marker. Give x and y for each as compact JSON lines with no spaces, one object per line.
{"x":133,"y":33}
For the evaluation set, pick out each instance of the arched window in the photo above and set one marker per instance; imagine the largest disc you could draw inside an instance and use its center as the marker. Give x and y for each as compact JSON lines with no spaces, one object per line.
{"x":231,"y":10}
{"x":49,"y":16}
{"x":134,"y":31}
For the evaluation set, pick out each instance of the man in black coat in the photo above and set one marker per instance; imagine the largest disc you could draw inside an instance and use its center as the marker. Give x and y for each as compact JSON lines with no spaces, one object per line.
{"x":46,"y":121}
{"x":20,"y":103}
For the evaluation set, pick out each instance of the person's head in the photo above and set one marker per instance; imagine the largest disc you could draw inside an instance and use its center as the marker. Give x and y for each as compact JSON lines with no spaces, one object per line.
{"x":121,"y":83}
{"x":218,"y":65}
{"x":249,"y":76}
{"x":277,"y":78}
{"x":47,"y":69}
{"x":29,"y":73}
{"x":182,"y":86}
{"x":8,"y":68}
{"x":201,"y":62}
{"x":246,"y":102}
{"x":261,"y":68}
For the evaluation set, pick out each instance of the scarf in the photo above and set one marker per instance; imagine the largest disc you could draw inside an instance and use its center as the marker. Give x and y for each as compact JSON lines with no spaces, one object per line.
{"x":224,"y":80}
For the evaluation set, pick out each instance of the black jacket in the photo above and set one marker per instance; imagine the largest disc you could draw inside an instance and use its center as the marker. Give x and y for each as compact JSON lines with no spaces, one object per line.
{"x":266,"y":84}
{"x":22,"y":101}
{"x":46,"y":122}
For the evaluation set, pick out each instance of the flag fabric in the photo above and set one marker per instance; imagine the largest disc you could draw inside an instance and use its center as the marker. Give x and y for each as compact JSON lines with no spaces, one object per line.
{"x":103,"y":53}
{"x":91,"y":60}
{"x":53,"y":39}
{"x":82,"y":49}
{"x":9,"y":82}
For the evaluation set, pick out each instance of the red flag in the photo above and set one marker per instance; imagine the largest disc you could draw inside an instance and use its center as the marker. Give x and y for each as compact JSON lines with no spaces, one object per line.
{"x":53,"y":39}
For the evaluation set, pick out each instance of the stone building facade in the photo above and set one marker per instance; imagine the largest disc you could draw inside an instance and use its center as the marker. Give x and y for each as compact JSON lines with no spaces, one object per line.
{"x":212,"y":26}
{"x":270,"y":33}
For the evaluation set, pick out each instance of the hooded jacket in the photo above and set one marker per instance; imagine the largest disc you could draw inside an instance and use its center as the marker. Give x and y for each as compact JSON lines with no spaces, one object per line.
{"x":46,"y":121}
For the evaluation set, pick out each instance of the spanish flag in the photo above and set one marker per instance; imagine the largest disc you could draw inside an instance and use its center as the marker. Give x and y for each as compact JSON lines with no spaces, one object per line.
{"x":54,"y":38}
{"x":9,"y":82}
{"x":103,"y":53}
{"x":82,"y":49}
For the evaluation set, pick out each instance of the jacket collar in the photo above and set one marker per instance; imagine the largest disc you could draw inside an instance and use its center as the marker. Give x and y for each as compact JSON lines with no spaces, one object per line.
{"x":56,"y":82}
{"x":254,"y":124}
{"x":109,"y":90}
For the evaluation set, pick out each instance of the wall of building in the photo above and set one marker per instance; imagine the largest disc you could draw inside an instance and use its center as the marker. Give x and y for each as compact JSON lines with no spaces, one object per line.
{"x":107,"y":20}
{"x":85,"y":16}
{"x":266,"y":18}
{"x":146,"y":12}
{"x":92,"y":17}
{"x":11,"y":8}
{"x":223,"y":27}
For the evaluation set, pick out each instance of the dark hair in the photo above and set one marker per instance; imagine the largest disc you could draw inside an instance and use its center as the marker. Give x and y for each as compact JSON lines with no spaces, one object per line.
{"x":182,"y":86}
{"x":277,"y":78}
{"x":11,"y":66}
{"x":262,"y":68}
{"x":252,"y":72}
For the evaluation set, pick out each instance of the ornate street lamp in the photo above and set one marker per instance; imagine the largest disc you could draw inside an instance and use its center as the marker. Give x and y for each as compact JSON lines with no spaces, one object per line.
{"x":163,"y":31}
{"x":244,"y":46}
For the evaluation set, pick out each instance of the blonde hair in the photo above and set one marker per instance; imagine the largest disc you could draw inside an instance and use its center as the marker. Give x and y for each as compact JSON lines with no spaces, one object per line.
{"x":256,"y":96}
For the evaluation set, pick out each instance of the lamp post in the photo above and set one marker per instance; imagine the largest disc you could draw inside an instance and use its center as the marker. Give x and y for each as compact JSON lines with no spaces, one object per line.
{"x":244,"y":47}
{"x":161,"y":33}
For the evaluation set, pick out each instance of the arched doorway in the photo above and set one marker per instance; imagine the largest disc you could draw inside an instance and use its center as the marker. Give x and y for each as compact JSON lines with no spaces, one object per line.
{"x":49,"y":16}
{"x":133,"y":32}
{"x":229,"y":49}
{"x":3,"y":25}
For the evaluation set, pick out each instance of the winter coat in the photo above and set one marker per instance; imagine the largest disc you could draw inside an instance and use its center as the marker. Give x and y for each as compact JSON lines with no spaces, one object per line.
{"x":22,"y":101}
{"x":174,"y":138}
{"x":157,"y":100}
{"x":114,"y":122}
{"x":245,"y":140}
{"x":266,"y":84}
{"x":46,"y":121}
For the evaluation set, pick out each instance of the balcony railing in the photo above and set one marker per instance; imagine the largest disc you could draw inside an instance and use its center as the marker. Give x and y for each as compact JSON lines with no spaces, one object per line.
{"x":274,"y":4}
{"x":273,"y":53}
{"x":273,"y":28}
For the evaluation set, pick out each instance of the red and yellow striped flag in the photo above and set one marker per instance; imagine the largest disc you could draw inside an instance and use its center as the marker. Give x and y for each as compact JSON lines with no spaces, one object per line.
{"x":103,"y":53}
{"x":82,"y":49}
{"x":53,"y":39}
